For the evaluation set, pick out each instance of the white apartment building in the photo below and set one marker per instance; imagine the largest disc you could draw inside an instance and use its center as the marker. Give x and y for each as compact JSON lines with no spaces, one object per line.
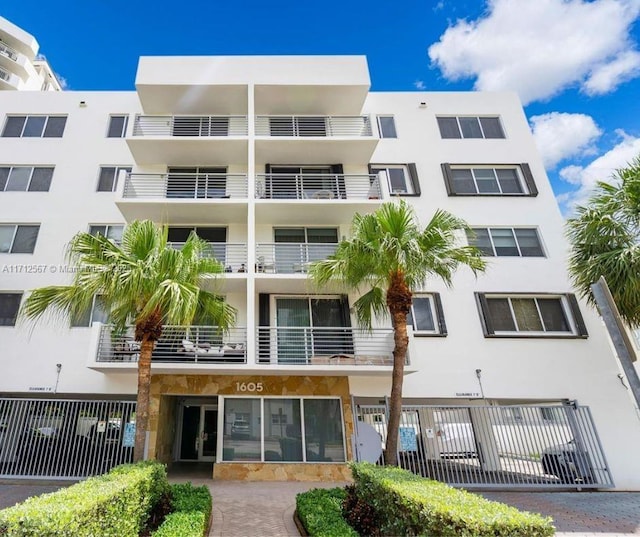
{"x":269,"y":158}
{"x":21,"y":68}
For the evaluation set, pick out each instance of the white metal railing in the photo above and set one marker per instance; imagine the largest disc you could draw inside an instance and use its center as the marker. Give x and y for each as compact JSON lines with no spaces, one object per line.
{"x":232,"y":256}
{"x":178,"y":344}
{"x":323,"y":126}
{"x":185,"y":185}
{"x":207,"y":126}
{"x":7,"y":51}
{"x":290,"y":258}
{"x":324,"y":346}
{"x":317,"y":186}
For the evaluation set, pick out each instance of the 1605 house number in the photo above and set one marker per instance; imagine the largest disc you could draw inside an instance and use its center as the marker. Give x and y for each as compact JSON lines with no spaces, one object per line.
{"x":249,"y":386}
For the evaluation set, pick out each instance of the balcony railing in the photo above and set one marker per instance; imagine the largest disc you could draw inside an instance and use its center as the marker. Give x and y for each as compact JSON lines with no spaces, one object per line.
{"x":178,"y":344}
{"x":317,"y":186}
{"x":186,"y":186}
{"x":290,"y":258}
{"x":207,"y":126}
{"x":232,"y":256}
{"x":4,"y":75}
{"x":6,"y":50}
{"x":323,"y":126}
{"x":325,"y":346}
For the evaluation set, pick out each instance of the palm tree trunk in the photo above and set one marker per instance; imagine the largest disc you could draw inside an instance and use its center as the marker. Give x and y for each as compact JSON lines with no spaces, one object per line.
{"x":399,"y":303}
{"x":142,"y":404}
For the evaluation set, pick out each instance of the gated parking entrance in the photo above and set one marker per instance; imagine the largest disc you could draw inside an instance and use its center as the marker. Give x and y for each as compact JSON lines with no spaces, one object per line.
{"x":524,"y":446}
{"x":64,"y":438}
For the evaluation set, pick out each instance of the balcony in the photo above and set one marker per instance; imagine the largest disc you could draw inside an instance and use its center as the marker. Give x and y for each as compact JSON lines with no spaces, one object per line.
{"x":179,"y":348}
{"x":317,"y":198}
{"x":184,"y":197}
{"x":325,"y":346}
{"x":290,"y":258}
{"x":13,"y":61}
{"x":8,"y":81}
{"x":316,"y":139}
{"x":182,"y":140}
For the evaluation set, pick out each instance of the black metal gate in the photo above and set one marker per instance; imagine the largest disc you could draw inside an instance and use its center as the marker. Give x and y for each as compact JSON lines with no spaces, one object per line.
{"x":64,"y":439}
{"x":526,"y":446}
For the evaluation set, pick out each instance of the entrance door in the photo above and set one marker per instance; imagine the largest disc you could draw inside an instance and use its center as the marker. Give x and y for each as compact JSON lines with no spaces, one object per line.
{"x":199,"y":433}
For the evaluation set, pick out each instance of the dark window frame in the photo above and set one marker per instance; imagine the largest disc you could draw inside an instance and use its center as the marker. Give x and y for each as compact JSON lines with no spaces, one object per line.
{"x":411,"y":177}
{"x":479,"y":123}
{"x":14,"y":315}
{"x":437,"y":313}
{"x":523,"y":170}
{"x":47,"y":126}
{"x":514,"y":234}
{"x":570,"y":309}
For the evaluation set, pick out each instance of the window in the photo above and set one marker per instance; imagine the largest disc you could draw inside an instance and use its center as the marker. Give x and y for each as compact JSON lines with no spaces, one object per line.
{"x":34,"y":127}
{"x":531,"y":315}
{"x":9,"y":306}
{"x":113,"y":232}
{"x":95,"y":314}
{"x":18,"y":239}
{"x":117,"y":126}
{"x":481,"y":180}
{"x":277,"y":429}
{"x":506,"y":242}
{"x":470,"y":127}
{"x":426,"y":316}
{"x":108,"y":179}
{"x":387,"y":127}
{"x":25,"y":179}
{"x":402,"y":179}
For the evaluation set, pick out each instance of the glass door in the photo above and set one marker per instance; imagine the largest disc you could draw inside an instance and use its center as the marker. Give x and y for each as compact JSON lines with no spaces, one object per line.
{"x":293,"y":320}
{"x":208,"y":433}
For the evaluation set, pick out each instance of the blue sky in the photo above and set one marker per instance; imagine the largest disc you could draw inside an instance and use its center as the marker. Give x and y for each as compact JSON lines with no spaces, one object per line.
{"x":575,"y":64}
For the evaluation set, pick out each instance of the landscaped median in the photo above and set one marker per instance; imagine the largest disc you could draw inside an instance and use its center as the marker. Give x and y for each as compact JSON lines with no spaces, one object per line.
{"x":129,"y":501}
{"x":392,"y":501}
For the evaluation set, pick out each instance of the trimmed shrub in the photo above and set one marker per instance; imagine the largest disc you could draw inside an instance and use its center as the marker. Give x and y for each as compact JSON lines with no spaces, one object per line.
{"x":187,"y":524}
{"x":191,"y":512}
{"x":116,"y":504}
{"x":320,"y":511}
{"x":360,"y":515}
{"x":407,"y":504}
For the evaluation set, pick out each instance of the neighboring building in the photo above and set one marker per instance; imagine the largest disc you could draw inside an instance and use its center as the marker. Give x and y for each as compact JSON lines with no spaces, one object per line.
{"x":269,"y":158}
{"x":21,"y":68}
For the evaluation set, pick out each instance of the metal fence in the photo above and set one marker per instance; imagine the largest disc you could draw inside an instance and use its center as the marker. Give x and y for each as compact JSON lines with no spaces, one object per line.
{"x":178,"y":344}
{"x":291,"y":258}
{"x":174,"y":126}
{"x":300,"y":126}
{"x":210,"y":186}
{"x":7,"y":51}
{"x":528,"y":446}
{"x":325,"y":186}
{"x":63,"y":438}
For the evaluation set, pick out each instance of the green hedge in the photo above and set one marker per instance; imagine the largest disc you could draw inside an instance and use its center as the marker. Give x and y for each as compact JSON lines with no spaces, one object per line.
{"x":320,"y":511}
{"x":191,"y":511}
{"x":411,"y":505}
{"x":117,"y":504}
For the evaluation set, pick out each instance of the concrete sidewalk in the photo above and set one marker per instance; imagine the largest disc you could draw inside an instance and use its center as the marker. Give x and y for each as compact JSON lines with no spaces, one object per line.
{"x":265,"y":509}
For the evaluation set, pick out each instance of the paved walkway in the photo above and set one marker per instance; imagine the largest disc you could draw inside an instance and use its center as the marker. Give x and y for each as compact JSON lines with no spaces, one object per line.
{"x":249,"y":509}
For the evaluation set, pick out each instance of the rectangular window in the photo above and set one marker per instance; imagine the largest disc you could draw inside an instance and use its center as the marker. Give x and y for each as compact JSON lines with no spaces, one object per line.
{"x":95,"y":314}
{"x":278,"y":429}
{"x":117,"y":126}
{"x":108,"y":178}
{"x":483,"y":180}
{"x":9,"y":306}
{"x":506,"y":242}
{"x":387,"y":127}
{"x":18,"y":239}
{"x":426,"y":316}
{"x":34,"y":127}
{"x":470,"y":127}
{"x":531,"y":315}
{"x":25,"y":179}
{"x":401,"y":179}
{"x":113,"y":232}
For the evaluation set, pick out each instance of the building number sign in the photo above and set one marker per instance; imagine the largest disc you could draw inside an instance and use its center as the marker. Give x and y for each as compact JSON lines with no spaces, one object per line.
{"x":249,"y":387}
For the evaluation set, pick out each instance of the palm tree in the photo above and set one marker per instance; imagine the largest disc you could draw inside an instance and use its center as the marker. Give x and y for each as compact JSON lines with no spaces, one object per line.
{"x":605,"y":241}
{"x":389,"y":257}
{"x":142,"y":281}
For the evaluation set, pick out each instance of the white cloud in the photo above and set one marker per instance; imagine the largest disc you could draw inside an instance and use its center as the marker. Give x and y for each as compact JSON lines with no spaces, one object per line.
{"x":600,"y":169}
{"x":560,"y":136}
{"x":419,"y":84}
{"x":538,"y":48}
